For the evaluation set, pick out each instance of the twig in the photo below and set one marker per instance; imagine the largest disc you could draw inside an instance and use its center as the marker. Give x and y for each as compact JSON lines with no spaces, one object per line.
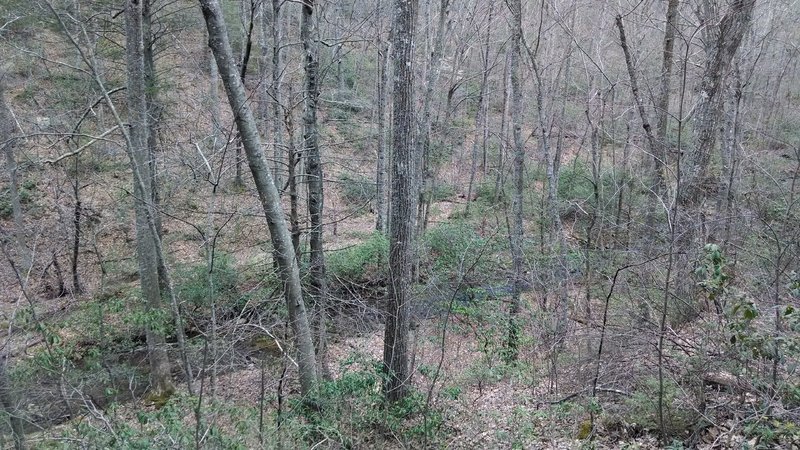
{"x":82,"y":147}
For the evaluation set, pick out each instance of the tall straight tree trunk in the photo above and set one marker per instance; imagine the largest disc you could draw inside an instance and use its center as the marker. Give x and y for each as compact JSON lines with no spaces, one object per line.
{"x":264,"y":60}
{"x":731,"y":138}
{"x":154,"y":108}
{"x":267,"y":192}
{"x":662,"y":109}
{"x":275,"y":92}
{"x":160,"y":370}
{"x":516,"y":226}
{"x":480,"y":113}
{"x":77,"y":288}
{"x":431,"y":77}
{"x":380,"y":169}
{"x":136,"y":150}
{"x":8,"y":129}
{"x":293,"y":158}
{"x":154,"y":113}
{"x":247,"y":19}
{"x":403,"y":207}
{"x":316,"y":195}
{"x":503,"y":138}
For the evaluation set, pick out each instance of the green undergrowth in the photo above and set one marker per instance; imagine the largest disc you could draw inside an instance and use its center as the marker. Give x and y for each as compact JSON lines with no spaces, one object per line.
{"x":352,"y":411}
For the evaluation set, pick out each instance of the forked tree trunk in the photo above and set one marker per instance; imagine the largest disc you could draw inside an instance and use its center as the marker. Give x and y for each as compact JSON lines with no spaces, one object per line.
{"x":726,"y":35}
{"x":267,"y":192}
{"x":403,"y":206}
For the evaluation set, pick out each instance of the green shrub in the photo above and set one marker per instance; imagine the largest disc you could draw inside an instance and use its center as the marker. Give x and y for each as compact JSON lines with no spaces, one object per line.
{"x":193,"y":282}
{"x":642,"y":408}
{"x":357,"y":190}
{"x":353,"y":413}
{"x":194,"y":288}
{"x":454,"y":248}
{"x":26,"y":197}
{"x":165,"y":427}
{"x":574,"y":182}
{"x":441,"y":192}
{"x":487,"y":192}
{"x":360,"y":263}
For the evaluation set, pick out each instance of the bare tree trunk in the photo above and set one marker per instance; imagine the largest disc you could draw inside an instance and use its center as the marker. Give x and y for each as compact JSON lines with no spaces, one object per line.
{"x":247,"y":19}
{"x":268,"y":194}
{"x":77,"y":288}
{"x":8,"y":130}
{"x":516,"y":229}
{"x":503,"y":138}
{"x":564,"y":97}
{"x":480,"y":113}
{"x":403,"y":208}
{"x":264,"y":62}
{"x":652,"y":145}
{"x":154,"y":114}
{"x":431,"y":77}
{"x":380,"y":169}
{"x":147,"y":256}
{"x":724,"y":37}
{"x":275,"y":92}
{"x":316,"y":195}
{"x":662,"y":108}
{"x":154,"y":107}
{"x":293,"y":156}
{"x":625,"y":185}
{"x":9,"y":406}
{"x":731,"y":139}
{"x":555,"y":242}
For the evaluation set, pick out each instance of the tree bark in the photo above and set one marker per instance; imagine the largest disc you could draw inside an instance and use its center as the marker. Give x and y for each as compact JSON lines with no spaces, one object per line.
{"x":479,"y":137}
{"x":403,"y":207}
{"x":8,"y":130}
{"x":268,"y":194}
{"x":658,"y":188}
{"x":275,"y":92}
{"x":147,"y":256}
{"x":431,"y":77}
{"x":503,"y":138}
{"x":662,"y":108}
{"x":516,"y":229}
{"x":725,"y":36}
{"x":316,"y":196}
{"x":380,"y":169}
